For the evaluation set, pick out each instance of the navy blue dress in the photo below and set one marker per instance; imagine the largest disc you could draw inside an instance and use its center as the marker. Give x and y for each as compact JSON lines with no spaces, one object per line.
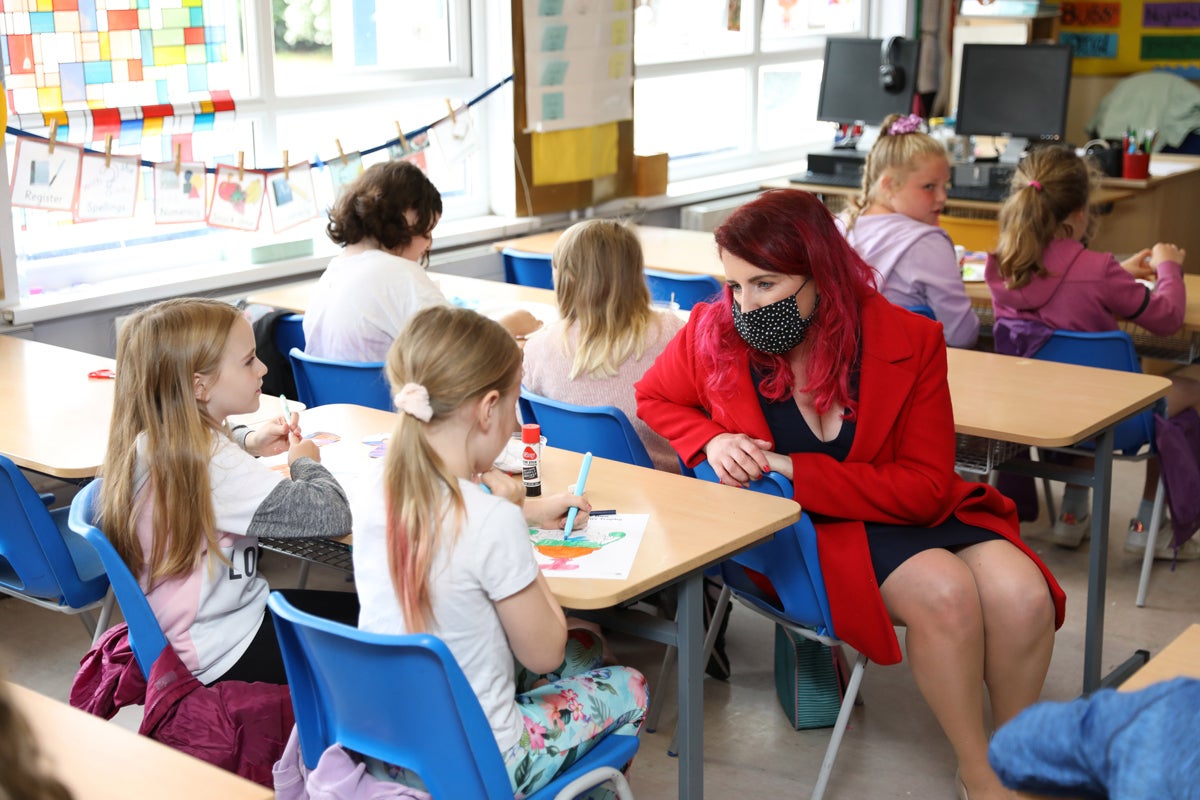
{"x":890,"y":545}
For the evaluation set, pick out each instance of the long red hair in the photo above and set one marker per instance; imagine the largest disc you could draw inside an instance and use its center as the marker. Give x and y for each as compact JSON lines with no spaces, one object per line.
{"x":791,"y":232}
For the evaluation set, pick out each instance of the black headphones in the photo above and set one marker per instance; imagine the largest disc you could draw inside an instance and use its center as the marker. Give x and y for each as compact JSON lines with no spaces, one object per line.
{"x":891,"y":74}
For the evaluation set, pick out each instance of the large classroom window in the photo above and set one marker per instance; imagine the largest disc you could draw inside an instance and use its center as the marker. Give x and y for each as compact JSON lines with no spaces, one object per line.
{"x":306,"y":76}
{"x":721,"y":85}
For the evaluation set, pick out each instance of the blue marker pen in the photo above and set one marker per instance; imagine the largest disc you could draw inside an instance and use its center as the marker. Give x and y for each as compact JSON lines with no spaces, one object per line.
{"x":580,"y":485}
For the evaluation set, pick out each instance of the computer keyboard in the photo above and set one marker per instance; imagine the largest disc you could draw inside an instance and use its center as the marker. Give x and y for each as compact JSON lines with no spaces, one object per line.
{"x":827,"y":179}
{"x":989,"y":194}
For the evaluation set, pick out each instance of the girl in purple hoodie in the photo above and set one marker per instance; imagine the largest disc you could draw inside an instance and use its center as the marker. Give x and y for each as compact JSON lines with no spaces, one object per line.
{"x":1043,"y":278}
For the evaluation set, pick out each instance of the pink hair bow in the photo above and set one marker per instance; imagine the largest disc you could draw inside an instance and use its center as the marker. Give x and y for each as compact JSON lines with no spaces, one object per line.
{"x":909,"y":124}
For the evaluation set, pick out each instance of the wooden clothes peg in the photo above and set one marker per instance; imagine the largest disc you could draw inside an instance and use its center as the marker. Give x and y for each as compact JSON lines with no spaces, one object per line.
{"x":241,"y":167}
{"x":178,"y":158}
{"x":107,"y":150}
{"x":450,"y":108}
{"x":401,"y":137}
{"x":341,"y":153}
{"x":53,"y":135}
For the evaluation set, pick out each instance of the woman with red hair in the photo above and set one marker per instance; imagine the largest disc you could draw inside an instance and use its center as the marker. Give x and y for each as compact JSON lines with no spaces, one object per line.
{"x":805,"y":369}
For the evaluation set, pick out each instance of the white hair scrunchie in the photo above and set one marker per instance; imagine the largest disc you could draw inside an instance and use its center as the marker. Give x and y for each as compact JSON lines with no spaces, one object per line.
{"x":413,"y":399}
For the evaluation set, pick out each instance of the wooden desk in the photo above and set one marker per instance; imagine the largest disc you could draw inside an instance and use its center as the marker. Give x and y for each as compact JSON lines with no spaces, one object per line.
{"x":1047,"y":404}
{"x":100,"y":760}
{"x":476,"y":291}
{"x":56,"y":418}
{"x":1181,"y":658}
{"x":667,"y":249}
{"x":692,"y":525}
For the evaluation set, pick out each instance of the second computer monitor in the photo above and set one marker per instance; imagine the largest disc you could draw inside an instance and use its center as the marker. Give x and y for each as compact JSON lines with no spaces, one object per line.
{"x":864,"y":80}
{"x":1015,"y":90}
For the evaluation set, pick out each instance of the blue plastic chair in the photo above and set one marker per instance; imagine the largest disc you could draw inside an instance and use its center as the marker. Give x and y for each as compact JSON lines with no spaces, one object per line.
{"x":923,"y":310}
{"x":790,"y":561}
{"x":41,"y":560}
{"x":1112,"y":350}
{"x":145,"y":634}
{"x":527,"y":269}
{"x":321,"y":381}
{"x":404,"y":700}
{"x":604,"y":431}
{"x":289,"y":333}
{"x":687,"y":290}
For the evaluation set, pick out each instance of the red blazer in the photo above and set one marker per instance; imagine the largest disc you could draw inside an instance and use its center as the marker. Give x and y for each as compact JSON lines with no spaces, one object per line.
{"x":900,"y":469}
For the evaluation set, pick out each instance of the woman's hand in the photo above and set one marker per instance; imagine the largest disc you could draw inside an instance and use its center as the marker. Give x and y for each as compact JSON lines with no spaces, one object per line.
{"x":274,"y":437}
{"x":1164,"y":251}
{"x":737,"y":458}
{"x":1138,"y":265}
{"x":780,"y":463}
{"x":501,"y":485}
{"x":550,"y":511}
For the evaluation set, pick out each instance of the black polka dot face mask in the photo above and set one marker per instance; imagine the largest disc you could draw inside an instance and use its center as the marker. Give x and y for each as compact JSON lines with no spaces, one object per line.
{"x":775,"y":328}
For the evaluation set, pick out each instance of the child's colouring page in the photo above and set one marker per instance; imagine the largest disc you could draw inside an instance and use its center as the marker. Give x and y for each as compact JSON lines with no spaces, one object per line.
{"x":606,"y":548}
{"x":291,"y":196}
{"x":238,"y":199}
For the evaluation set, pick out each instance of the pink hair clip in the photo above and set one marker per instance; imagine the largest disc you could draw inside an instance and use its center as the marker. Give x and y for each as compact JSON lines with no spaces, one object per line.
{"x":910,"y":124}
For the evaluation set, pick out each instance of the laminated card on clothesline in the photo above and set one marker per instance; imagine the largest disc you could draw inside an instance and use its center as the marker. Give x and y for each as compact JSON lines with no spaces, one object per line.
{"x":411,"y":150}
{"x":343,"y":171}
{"x":108,"y":187}
{"x":238,"y":199}
{"x":455,"y":136}
{"x":45,"y":179}
{"x":291,"y":196}
{"x":180,"y":192}
{"x":606,"y":548}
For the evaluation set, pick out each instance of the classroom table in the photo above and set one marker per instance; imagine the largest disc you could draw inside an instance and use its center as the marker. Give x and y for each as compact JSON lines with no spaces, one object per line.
{"x":1180,"y":658}
{"x":1006,"y":401}
{"x":693,"y":524}
{"x":478,"y":293}
{"x":56,"y":418}
{"x":99,"y":760}
{"x":667,"y":249}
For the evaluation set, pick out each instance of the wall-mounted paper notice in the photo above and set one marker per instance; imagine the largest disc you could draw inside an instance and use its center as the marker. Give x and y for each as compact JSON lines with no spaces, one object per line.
{"x":578,"y":63}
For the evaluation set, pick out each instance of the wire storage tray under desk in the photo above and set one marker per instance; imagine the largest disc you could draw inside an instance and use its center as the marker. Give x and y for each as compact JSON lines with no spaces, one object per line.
{"x":979,"y":455}
{"x":327,"y":552}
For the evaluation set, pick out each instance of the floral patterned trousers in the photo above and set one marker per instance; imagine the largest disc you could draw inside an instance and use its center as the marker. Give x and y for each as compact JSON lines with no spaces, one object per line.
{"x":566,"y":713}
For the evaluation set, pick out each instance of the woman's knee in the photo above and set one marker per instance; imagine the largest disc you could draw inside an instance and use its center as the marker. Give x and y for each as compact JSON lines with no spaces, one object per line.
{"x":940,"y":592}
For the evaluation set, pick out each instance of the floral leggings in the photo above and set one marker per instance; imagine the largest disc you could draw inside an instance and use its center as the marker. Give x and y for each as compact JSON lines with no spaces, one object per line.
{"x":566,"y":713}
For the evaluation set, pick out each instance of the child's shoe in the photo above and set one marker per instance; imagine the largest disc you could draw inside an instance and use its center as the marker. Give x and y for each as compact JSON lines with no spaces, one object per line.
{"x":1070,"y":530}
{"x":1135,"y":542}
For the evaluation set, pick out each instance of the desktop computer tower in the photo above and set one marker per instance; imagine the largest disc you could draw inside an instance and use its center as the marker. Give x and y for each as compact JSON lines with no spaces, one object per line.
{"x":837,"y":162}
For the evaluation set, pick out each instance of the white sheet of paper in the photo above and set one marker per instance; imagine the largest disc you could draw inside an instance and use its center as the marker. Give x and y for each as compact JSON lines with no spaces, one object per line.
{"x":606,"y":548}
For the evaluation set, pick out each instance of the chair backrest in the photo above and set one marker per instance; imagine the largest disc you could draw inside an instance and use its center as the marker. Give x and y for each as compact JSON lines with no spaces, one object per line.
{"x":789,"y":560}
{"x":923,"y":310}
{"x":527,"y":269}
{"x":36,"y":553}
{"x":289,"y":333}
{"x":321,"y":381}
{"x":687,"y":290}
{"x":402,"y":699}
{"x":1106,"y":350}
{"x":605,"y":431}
{"x":145,"y":634}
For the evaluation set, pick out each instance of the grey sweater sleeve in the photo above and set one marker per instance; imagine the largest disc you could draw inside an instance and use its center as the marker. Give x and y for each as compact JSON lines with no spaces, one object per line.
{"x":310,"y":505}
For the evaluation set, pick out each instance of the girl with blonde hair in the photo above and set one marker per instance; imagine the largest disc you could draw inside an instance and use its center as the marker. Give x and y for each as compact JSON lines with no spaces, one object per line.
{"x":1043,"y":278}
{"x":608,"y":335}
{"x":184,"y":499}
{"x":436,"y":553}
{"x":893,"y":224}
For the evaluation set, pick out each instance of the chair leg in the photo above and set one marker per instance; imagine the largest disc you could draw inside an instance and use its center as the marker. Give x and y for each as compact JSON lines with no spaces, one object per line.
{"x":110,"y":599}
{"x":1151,"y":543}
{"x":594,"y":778}
{"x":658,"y":696}
{"x":839,"y":728}
{"x":1051,"y":510}
{"x":303,"y":579}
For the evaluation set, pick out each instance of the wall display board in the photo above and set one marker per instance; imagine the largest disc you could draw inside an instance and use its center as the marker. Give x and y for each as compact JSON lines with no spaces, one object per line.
{"x":1120,"y":38}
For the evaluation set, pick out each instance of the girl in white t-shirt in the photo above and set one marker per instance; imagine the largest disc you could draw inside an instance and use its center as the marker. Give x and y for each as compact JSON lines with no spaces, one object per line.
{"x":433,"y":552}
{"x":184,"y":499}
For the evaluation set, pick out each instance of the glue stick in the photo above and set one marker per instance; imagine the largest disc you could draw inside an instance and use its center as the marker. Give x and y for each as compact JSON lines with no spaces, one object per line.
{"x":531,"y":459}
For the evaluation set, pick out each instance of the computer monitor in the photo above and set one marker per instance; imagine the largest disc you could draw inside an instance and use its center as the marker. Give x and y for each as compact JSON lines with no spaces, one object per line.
{"x":864,"y":80}
{"x":1014,"y":90}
